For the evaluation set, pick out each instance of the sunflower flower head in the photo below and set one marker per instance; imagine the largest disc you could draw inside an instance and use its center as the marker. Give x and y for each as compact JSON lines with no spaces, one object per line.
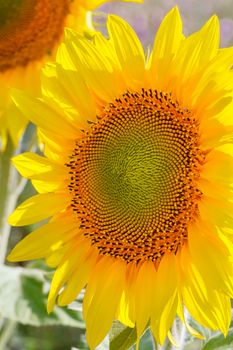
{"x":136,"y":178}
{"x":30,"y":32}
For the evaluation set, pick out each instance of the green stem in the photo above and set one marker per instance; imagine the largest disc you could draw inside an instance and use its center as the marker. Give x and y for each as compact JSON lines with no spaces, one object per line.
{"x":10,"y":189}
{"x":6,"y":201}
{"x":7,"y":333}
{"x":4,"y":175}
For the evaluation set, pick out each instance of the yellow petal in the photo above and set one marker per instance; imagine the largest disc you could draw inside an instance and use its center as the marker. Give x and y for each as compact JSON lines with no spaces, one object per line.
{"x":46,"y":175}
{"x":64,"y":58}
{"x":56,"y":147}
{"x":15,"y":123}
{"x":69,"y":91}
{"x":218,"y":166}
{"x":189,"y":328}
{"x":38,"y":207}
{"x":106,"y":46}
{"x":166,"y":45}
{"x":128,"y":48}
{"x":98,"y":276}
{"x":54,"y":258}
{"x":78,"y":279}
{"x":74,"y":255}
{"x":43,"y":240}
{"x":212,"y":79}
{"x":210,"y":308}
{"x":216,"y":212}
{"x":144,"y":295}
{"x":96,"y":69}
{"x":104,"y":303}
{"x":165,"y":297}
{"x":126,"y":313}
{"x":214,"y":134}
{"x":123,"y":314}
{"x":211,"y":254}
{"x":215,"y":189}
{"x":44,"y":115}
{"x":31,"y":166}
{"x":198,"y":49}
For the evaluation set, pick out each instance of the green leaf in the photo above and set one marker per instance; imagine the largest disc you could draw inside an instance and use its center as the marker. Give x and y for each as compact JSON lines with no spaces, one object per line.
{"x":121,"y":337}
{"x":219,"y":342}
{"x":22,"y":299}
{"x":146,"y":341}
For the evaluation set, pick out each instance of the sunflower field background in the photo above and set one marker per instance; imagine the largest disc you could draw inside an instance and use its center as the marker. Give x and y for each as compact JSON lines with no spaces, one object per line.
{"x":24,"y":286}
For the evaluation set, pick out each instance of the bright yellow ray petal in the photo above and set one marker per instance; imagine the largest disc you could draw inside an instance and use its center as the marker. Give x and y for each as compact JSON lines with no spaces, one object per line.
{"x":198,"y":49}
{"x":166,"y":45}
{"x":54,"y":92}
{"x":104,"y":303}
{"x":56,"y":147}
{"x":123,"y":314}
{"x":222,"y":61}
{"x":129,"y":50}
{"x":97,"y":277}
{"x":216,"y":212}
{"x":38,"y":207}
{"x":106,"y":46}
{"x":209,"y":307}
{"x":218,"y":166}
{"x":190,"y":329}
{"x":45,"y":239}
{"x":215,"y":190}
{"x":54,"y":258}
{"x":212,"y":254}
{"x":165,"y":297}
{"x":31,"y":166}
{"x":50,"y":185}
{"x":203,"y":89}
{"x":214,"y":134}
{"x":74,"y":255}
{"x":144,"y":295}
{"x":68,"y":89}
{"x":95,"y":68}
{"x":44,"y":115}
{"x":79,"y":93}
{"x":64,"y":59}
{"x":46,"y":175}
{"x":15,"y":123}
{"x":210,"y":87}
{"x":78,"y":279}
{"x":160,"y":329}
{"x":126,"y":312}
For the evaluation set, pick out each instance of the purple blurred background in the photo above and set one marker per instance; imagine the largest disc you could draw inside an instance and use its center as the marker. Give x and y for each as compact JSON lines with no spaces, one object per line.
{"x":145,"y":18}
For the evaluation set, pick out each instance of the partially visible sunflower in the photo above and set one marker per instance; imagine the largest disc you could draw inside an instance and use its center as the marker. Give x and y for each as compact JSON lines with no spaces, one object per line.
{"x":30,"y":31}
{"x":136,"y":178}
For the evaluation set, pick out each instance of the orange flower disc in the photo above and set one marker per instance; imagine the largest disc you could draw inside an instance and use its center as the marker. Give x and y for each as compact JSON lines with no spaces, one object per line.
{"x":29,"y":30}
{"x":133,"y":177}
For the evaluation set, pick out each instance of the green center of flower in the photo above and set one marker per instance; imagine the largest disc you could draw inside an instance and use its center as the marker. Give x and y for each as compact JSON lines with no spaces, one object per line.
{"x":29,"y":30}
{"x":134,"y":177}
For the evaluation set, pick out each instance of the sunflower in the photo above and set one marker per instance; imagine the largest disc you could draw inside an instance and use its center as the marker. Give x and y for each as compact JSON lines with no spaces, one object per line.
{"x":136,"y":178}
{"x":30,"y":32}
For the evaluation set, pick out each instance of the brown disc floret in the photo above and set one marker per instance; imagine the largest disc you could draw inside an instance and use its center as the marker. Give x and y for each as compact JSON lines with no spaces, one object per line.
{"x":134,"y":176}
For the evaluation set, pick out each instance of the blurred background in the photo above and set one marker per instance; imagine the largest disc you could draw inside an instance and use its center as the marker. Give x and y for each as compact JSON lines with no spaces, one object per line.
{"x":23,"y":294}
{"x":145,"y":18}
